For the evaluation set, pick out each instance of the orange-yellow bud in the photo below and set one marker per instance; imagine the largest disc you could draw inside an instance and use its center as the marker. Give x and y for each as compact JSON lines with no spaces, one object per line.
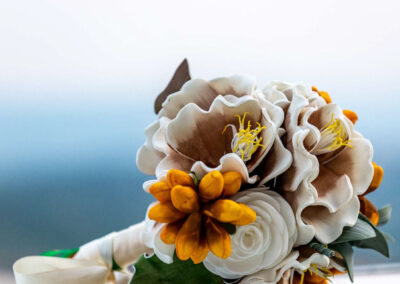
{"x":218,"y":239}
{"x":177,"y":177}
{"x":248,"y":217}
{"x":170,"y":231}
{"x":232,"y":183}
{"x":201,"y":251}
{"x":165,"y":213}
{"x":211,"y":185}
{"x":188,"y":237}
{"x":185,"y":199}
{"x":161,"y":191}
{"x":325,"y":96}
{"x":376,"y":180}
{"x":224,"y":210}
{"x":369,"y":210}
{"x":351,"y":115}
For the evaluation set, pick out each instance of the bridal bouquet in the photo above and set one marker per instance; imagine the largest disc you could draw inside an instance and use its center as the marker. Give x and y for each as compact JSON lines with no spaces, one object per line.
{"x":251,"y":186}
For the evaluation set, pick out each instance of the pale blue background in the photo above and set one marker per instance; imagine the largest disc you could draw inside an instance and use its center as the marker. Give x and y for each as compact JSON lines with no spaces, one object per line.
{"x":77,"y":83}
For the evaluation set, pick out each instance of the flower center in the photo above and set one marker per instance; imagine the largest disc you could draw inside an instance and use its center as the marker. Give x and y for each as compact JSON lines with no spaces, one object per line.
{"x":333,"y":136}
{"x":245,"y":141}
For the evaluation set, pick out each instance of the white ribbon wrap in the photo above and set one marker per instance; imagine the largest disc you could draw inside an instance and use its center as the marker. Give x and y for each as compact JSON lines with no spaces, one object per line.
{"x":92,"y":263}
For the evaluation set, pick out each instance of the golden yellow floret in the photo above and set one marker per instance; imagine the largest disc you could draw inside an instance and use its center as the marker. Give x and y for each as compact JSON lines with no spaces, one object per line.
{"x":185,"y":199}
{"x":211,"y":186}
{"x":224,"y":210}
{"x":376,"y":180}
{"x":232,"y":183}
{"x":165,"y":213}
{"x":178,"y":177}
{"x":188,"y":236}
{"x":249,"y":216}
{"x":201,"y":251}
{"x":170,"y":231}
{"x":218,"y":239}
{"x":161,"y":191}
{"x":351,"y":115}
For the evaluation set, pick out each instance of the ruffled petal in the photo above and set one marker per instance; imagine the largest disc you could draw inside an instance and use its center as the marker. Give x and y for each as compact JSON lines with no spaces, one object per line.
{"x":356,"y":163}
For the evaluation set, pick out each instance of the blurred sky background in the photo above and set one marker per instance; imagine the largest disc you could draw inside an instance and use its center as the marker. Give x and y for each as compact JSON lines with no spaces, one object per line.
{"x":78,"y":80}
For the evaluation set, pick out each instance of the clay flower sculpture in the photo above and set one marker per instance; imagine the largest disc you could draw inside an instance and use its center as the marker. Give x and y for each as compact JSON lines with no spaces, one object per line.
{"x":332,"y":163}
{"x":223,"y":125}
{"x":194,"y":216}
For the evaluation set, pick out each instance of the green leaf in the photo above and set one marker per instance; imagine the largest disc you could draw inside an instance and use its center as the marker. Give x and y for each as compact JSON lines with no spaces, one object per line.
{"x":360,"y":231}
{"x":377,"y":243}
{"x":64,"y":253}
{"x":322,"y":249}
{"x":154,"y":271}
{"x":389,"y":238}
{"x":346,"y":251}
{"x":384,"y":214}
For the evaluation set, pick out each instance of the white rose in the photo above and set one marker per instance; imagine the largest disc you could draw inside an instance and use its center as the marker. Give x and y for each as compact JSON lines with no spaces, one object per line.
{"x":262,"y":244}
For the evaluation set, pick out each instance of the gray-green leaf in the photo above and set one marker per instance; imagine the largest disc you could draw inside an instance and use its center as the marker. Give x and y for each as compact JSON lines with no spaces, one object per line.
{"x":384,"y":214}
{"x":346,"y":251}
{"x":360,"y":231}
{"x":322,"y":249}
{"x":378,"y":243}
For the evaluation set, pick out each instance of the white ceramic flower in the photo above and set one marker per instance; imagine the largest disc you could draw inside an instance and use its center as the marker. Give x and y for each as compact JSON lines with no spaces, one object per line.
{"x":221,"y":124}
{"x":263,"y":244}
{"x":332,"y":164}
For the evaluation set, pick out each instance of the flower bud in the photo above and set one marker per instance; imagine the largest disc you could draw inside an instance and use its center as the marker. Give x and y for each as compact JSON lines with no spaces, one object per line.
{"x":376,"y":180}
{"x":185,"y":199}
{"x":165,"y":213}
{"x":178,"y":177}
{"x":369,"y":210}
{"x":248,"y":216}
{"x":160,"y":191}
{"x":232,"y":183}
{"x":351,"y":115}
{"x":211,"y":185}
{"x":224,"y":210}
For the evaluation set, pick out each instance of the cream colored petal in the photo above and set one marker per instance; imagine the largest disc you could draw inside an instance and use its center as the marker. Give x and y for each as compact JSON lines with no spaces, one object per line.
{"x":276,"y":92}
{"x":195,"y":91}
{"x":277,"y":161}
{"x":237,"y":85}
{"x":304,"y":166}
{"x":198,"y":134}
{"x":159,"y":142}
{"x":323,"y":115}
{"x":333,"y":190}
{"x":147,"y":158}
{"x":229,"y":162}
{"x":356,"y":163}
{"x":274,"y":112}
{"x":172,"y":161}
{"x":329,"y":226}
{"x":303,"y":197}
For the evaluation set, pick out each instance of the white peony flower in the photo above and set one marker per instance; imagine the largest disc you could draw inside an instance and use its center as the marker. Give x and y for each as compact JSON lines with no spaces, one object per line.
{"x":332,"y":163}
{"x":222,"y":124}
{"x":261,"y":245}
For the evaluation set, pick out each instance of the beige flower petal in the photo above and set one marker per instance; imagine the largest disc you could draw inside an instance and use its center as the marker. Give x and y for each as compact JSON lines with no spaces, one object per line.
{"x":277,"y":161}
{"x":356,"y":163}
{"x":333,"y":190}
{"x":196,"y":91}
{"x":198,"y":134}
{"x":172,"y":161}
{"x":237,"y":85}
{"x":329,"y":226}
{"x":147,"y":157}
{"x":229,"y":162}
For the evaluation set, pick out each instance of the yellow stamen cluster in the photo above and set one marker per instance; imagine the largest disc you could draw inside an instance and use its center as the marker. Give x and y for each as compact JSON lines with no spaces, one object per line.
{"x":334,"y":128}
{"x":246,"y":141}
{"x":195,"y":214}
{"x":311,"y":275}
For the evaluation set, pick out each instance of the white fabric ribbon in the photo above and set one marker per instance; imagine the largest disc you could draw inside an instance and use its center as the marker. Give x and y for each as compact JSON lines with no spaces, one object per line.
{"x":92,"y":264}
